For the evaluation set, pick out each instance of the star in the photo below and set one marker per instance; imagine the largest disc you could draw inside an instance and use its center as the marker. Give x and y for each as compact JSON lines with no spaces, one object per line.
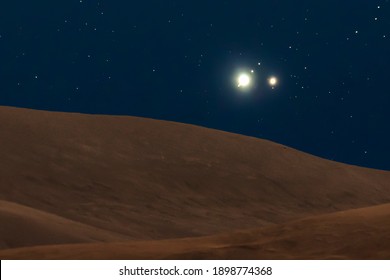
{"x":243,"y":80}
{"x":272,"y":81}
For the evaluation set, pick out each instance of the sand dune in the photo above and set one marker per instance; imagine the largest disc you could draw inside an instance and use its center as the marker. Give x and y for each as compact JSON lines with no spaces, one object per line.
{"x":23,"y":226}
{"x":353,"y":234}
{"x":143,"y":179}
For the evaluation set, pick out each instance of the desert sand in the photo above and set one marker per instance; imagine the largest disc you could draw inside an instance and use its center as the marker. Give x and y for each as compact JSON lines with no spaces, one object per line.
{"x":76,"y":186}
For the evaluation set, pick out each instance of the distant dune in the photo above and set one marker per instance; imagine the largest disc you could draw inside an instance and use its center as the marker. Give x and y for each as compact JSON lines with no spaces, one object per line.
{"x":69,"y":178}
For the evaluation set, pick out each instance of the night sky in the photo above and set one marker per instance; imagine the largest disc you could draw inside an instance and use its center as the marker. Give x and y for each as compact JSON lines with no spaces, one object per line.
{"x":179,"y":61}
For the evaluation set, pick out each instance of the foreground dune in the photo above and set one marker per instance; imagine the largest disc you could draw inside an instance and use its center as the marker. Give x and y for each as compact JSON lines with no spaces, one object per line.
{"x":24,"y":226}
{"x":113,"y":178}
{"x":353,"y":234}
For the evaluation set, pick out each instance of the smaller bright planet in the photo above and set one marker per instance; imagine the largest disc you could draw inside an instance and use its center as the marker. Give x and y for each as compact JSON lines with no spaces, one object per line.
{"x":243,"y":80}
{"x":272,"y":81}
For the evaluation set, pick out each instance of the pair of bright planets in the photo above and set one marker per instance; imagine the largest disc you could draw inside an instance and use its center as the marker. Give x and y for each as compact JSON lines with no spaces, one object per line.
{"x":244,"y":80}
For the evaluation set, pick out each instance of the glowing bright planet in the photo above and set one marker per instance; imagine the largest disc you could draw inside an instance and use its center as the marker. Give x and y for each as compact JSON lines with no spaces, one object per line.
{"x":243,"y":80}
{"x":272,"y":81}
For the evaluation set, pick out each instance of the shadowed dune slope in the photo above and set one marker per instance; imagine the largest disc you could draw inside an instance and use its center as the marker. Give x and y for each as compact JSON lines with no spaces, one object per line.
{"x":353,"y":234}
{"x":149,"y":179}
{"x":23,"y":226}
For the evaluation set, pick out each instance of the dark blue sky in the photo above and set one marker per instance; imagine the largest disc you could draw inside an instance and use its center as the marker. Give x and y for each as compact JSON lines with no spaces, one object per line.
{"x":176,"y":60}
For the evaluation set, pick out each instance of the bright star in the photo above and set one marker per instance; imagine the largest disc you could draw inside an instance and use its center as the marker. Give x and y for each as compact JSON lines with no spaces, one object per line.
{"x":243,"y":80}
{"x":272,"y":81}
